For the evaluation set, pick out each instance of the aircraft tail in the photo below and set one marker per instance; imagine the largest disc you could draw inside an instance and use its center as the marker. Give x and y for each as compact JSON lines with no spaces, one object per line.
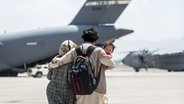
{"x":95,"y":12}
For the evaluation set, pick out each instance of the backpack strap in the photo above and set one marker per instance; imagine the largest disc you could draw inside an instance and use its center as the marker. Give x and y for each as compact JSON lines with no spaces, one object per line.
{"x":88,"y":52}
{"x":79,"y":52}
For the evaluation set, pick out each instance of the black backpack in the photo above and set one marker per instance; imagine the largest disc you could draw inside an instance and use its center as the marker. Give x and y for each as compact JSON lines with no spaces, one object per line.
{"x":82,"y":78}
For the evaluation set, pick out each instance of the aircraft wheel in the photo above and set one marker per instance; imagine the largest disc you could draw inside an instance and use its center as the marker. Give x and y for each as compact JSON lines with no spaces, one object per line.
{"x":169,"y":70}
{"x":136,"y":70}
{"x":9,"y":73}
{"x":14,"y":74}
{"x":39,"y":75}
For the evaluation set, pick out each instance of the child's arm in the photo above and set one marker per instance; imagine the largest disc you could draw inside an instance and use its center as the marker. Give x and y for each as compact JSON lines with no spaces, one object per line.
{"x":104,"y":55}
{"x":107,"y":60}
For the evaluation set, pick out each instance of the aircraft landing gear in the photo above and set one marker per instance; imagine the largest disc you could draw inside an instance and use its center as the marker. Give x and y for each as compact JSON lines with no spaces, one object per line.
{"x":8,"y":74}
{"x":136,"y":70}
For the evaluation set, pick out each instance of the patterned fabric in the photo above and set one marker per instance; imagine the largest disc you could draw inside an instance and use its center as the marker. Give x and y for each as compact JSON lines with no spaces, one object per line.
{"x":59,"y":90}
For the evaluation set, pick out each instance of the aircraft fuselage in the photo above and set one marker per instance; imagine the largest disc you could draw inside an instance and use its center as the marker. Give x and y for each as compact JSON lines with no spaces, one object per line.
{"x":21,"y":48}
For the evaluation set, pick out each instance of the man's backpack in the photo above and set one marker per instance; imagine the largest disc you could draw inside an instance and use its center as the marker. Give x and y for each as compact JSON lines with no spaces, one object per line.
{"x":82,"y":77}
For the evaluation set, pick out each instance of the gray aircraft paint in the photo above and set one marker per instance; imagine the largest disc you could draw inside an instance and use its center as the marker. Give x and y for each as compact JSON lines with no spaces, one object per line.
{"x":170,"y":62}
{"x":21,"y":48}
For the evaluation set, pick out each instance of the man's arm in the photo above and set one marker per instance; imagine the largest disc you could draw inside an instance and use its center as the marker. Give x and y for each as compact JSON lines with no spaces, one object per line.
{"x":104,"y":55}
{"x":107,"y":60}
{"x":67,"y":58}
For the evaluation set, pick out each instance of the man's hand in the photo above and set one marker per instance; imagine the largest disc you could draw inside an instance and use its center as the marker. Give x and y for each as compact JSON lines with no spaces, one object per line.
{"x":53,"y":64}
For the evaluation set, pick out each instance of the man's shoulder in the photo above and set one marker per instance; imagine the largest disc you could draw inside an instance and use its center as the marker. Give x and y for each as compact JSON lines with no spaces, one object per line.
{"x":98,"y":48}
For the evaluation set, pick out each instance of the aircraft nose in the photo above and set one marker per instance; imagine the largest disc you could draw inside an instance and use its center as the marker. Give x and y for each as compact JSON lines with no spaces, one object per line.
{"x":125,"y":61}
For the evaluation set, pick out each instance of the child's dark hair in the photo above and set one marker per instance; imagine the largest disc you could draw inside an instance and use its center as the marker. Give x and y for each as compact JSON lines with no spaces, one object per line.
{"x":111,"y":44}
{"x":90,"y":35}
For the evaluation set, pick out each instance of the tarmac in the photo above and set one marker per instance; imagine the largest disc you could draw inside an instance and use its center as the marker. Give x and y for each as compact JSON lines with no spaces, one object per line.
{"x":124,"y":86}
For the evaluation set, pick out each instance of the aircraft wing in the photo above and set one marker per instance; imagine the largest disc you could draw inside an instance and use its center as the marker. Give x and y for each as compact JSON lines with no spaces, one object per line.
{"x":101,"y":12}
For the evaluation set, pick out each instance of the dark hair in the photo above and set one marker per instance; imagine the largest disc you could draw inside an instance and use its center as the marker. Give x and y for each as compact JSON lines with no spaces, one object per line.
{"x":111,"y":44}
{"x":90,"y":35}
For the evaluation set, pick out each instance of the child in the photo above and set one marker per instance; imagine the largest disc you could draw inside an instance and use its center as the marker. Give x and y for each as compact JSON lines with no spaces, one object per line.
{"x":109,"y":48}
{"x":106,"y":64}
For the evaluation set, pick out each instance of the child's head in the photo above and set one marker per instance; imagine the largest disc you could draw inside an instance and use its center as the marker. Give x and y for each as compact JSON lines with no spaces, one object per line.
{"x":109,"y":48}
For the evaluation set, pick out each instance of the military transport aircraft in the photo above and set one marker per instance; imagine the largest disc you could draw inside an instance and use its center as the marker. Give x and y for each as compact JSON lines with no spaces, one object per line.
{"x":149,"y":59}
{"x":23,"y":49}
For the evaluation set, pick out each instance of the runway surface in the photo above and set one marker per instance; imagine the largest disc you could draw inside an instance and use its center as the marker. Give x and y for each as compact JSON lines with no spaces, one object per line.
{"x":124,"y":86}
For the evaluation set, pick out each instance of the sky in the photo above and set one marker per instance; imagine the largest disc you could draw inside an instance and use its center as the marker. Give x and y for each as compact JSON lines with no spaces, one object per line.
{"x":157,"y":24}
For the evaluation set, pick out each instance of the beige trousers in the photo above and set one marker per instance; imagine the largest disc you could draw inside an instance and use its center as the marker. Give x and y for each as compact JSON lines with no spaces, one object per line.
{"x":94,"y":98}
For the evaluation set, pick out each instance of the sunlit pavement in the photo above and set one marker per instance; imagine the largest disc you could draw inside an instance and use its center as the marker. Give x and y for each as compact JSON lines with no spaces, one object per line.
{"x":124,"y":86}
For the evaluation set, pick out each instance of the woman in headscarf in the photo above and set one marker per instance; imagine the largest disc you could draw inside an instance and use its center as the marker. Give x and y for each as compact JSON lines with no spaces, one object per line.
{"x":59,"y":90}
